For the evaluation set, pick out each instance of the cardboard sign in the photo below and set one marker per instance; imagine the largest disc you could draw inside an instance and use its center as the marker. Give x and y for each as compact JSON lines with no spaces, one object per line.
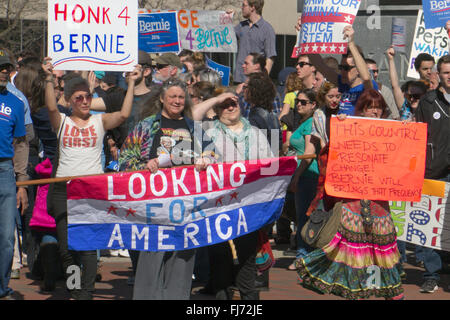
{"x":323,"y":22}
{"x":205,"y":30}
{"x":376,"y":159}
{"x":426,"y":222}
{"x":158,"y":32}
{"x":436,"y":12}
{"x":175,"y":209}
{"x":399,"y":34}
{"x":223,"y":71}
{"x":431,"y":41}
{"x":92,"y":35}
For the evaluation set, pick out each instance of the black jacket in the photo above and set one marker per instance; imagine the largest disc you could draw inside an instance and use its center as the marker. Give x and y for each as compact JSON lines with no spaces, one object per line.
{"x":433,"y":109}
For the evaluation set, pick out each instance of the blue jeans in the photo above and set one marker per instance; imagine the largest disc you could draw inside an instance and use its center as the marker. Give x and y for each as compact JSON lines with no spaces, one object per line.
{"x":306,"y":191}
{"x":8,"y":216}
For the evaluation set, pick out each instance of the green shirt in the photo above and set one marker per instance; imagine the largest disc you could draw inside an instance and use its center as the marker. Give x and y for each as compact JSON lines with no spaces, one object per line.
{"x":297,"y":141}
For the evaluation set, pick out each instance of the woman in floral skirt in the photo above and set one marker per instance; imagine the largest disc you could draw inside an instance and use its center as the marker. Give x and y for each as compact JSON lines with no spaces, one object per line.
{"x":362,"y":259}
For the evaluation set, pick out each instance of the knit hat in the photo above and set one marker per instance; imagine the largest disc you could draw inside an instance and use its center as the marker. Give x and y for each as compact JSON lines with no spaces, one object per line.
{"x":73,"y":85}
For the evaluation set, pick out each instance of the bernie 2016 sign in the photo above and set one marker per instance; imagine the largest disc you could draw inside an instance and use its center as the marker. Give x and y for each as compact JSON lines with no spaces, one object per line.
{"x":158,"y":32}
{"x":178,"y":208}
{"x":92,"y":35}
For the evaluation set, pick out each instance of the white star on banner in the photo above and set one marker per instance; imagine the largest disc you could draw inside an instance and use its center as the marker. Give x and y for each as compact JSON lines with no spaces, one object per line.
{"x":348,"y":18}
{"x":314,"y":47}
{"x":333,"y":48}
{"x":342,"y":48}
{"x":306,"y":48}
{"x":323,"y":47}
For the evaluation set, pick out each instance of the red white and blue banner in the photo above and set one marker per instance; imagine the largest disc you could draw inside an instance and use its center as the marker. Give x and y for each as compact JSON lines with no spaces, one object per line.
{"x":426,"y":222}
{"x":323,"y":22}
{"x":176,"y":208}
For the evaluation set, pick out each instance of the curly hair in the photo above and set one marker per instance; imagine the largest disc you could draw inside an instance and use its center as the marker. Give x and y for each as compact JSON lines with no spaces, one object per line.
{"x":323,"y":91}
{"x":293,"y":82}
{"x":260,"y":91}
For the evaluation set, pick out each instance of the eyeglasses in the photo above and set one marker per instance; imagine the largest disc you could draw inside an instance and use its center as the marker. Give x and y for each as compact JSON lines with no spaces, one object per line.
{"x":372,"y":107}
{"x":161,"y":66}
{"x":346,"y":67}
{"x":302,"y":64}
{"x":374,"y":70}
{"x":302,"y":102}
{"x":80,"y":99}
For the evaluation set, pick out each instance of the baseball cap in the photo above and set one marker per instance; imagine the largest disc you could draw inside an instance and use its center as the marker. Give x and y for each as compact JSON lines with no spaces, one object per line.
{"x":4,"y":58}
{"x":169,"y":58}
{"x":144,"y":58}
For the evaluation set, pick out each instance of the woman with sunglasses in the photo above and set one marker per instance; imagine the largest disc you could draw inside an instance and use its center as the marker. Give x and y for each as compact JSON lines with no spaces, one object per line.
{"x":301,"y":141}
{"x":365,"y":243}
{"x":235,"y":139}
{"x":407,"y":97}
{"x":80,"y":144}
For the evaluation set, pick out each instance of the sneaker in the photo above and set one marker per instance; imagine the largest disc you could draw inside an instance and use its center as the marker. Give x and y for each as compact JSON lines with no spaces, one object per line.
{"x":114,"y":253}
{"x":124,"y":253}
{"x":429,"y":286}
{"x":15,"y":274}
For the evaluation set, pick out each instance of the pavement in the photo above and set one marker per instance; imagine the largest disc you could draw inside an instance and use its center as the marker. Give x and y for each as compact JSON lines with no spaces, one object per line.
{"x":283,"y":283}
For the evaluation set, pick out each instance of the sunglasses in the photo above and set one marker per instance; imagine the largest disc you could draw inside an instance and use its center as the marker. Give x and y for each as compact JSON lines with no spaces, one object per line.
{"x":6,"y":67}
{"x":80,"y":99}
{"x":346,"y":67}
{"x":228,"y":104}
{"x":302,"y":64}
{"x":161,"y":66}
{"x":415,"y":96}
{"x":374,"y":70}
{"x":302,"y":102}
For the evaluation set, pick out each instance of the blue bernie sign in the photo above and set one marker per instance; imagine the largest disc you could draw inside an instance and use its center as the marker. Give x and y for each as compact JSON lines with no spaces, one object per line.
{"x":158,"y":32}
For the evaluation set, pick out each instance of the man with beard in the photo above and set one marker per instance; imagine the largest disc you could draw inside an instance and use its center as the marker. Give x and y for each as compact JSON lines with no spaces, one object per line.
{"x":13,"y":144}
{"x":168,"y":65}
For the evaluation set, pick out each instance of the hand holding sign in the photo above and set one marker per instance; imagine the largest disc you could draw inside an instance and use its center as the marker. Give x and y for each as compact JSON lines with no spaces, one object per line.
{"x":321,"y":25}
{"x":376,"y":159}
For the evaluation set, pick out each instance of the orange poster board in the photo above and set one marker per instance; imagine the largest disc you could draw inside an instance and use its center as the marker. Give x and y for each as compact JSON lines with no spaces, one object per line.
{"x":376,"y":159}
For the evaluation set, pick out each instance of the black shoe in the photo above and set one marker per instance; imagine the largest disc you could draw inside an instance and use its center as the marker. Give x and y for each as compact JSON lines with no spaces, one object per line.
{"x":429,"y":286}
{"x":290,"y":253}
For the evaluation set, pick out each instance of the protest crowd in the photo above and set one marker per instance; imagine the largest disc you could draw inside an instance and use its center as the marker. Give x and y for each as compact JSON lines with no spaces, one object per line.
{"x":74,"y":123}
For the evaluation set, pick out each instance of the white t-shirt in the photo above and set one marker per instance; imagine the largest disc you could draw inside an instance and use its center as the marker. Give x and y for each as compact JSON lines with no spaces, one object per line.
{"x":80,"y":149}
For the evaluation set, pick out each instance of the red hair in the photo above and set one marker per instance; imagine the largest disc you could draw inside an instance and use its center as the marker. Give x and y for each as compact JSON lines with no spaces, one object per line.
{"x":367,"y":99}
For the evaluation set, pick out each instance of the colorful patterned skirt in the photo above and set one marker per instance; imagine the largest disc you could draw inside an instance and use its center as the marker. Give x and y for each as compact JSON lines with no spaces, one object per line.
{"x":361,"y":261}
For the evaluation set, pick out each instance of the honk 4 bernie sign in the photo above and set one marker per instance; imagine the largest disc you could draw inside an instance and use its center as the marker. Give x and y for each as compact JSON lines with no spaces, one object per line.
{"x":93,"y":34}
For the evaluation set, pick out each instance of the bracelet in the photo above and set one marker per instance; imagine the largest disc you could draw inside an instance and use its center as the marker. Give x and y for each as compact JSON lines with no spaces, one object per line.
{"x":49,"y":81}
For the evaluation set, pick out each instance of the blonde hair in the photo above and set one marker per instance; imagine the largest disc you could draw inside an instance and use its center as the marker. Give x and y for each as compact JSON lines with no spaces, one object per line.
{"x":293,"y":83}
